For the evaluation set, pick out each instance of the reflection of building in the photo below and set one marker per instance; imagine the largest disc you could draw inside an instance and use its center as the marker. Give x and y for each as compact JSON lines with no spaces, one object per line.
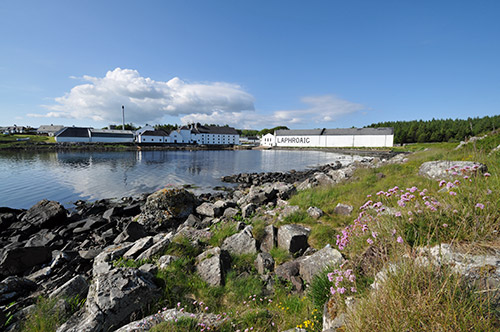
{"x":90,"y":135}
{"x":351,"y":137}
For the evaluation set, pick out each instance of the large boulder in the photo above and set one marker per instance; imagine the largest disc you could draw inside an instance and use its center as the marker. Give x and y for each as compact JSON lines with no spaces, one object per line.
{"x":444,"y":169}
{"x":343,"y":209}
{"x":167,"y":208}
{"x":45,"y":214}
{"x":312,"y":265}
{"x":211,"y":265}
{"x":293,"y":238}
{"x":18,"y":260}
{"x":241,"y":243}
{"x":113,"y":297}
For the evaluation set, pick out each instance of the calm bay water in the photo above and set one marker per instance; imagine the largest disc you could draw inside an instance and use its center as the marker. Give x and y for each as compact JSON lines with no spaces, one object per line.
{"x":26,"y":178}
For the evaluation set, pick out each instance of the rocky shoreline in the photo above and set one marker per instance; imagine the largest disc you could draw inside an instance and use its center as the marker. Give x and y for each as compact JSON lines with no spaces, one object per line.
{"x":52,"y":252}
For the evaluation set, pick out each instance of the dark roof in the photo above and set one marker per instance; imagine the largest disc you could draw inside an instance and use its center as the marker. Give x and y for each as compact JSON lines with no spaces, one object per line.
{"x":360,"y":131}
{"x":299,"y":132}
{"x":338,"y":132}
{"x":74,"y":132}
{"x":154,"y":133}
{"x":214,"y":130}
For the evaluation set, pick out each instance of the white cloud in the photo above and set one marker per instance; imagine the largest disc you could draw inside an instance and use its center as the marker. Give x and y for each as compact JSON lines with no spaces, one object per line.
{"x":319,"y":110}
{"x":145,"y":100}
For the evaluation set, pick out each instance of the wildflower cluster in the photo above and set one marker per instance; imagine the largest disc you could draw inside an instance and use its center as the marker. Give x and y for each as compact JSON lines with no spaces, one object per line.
{"x":345,"y":281}
{"x":311,"y":323}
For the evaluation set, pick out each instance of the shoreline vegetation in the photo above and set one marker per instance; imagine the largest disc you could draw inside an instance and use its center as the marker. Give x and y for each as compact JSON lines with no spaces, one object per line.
{"x":405,"y":242}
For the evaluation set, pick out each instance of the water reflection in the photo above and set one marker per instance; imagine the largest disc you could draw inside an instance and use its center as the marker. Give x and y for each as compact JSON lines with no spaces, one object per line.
{"x":26,"y":178}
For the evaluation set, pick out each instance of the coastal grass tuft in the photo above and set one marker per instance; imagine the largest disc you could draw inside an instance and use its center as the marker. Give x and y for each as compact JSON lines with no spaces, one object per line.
{"x":415,"y":297}
{"x":221,"y":231}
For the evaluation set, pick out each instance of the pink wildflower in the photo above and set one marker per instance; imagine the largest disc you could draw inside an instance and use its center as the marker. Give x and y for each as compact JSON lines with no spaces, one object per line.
{"x":370,"y":241}
{"x":479,"y":205}
{"x":445,"y":225}
{"x":452,"y":193}
{"x":353,"y":289}
{"x":487,"y":174}
{"x":341,"y":290}
{"x":399,"y":239}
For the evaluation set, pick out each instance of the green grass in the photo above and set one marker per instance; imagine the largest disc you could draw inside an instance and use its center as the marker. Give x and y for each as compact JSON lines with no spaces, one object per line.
{"x":418,"y":298}
{"x":221,"y":231}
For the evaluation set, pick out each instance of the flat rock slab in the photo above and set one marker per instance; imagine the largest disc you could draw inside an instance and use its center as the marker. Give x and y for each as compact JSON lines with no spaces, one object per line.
{"x":317,"y":262}
{"x":442,"y":169}
{"x":211,"y":265}
{"x":45,"y":214}
{"x":241,"y":243}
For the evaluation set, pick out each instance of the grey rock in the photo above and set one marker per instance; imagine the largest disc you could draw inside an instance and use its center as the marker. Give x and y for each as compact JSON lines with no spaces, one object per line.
{"x":241,"y":243}
{"x":167,"y":208}
{"x":44,"y":238}
{"x":170,"y":315}
{"x":314,"y":264}
{"x":45,"y":214}
{"x":164,"y":261}
{"x":343,"y":209}
{"x":264,"y":263}
{"x":293,"y":238}
{"x":270,"y":238}
{"x":323,"y":179}
{"x":342,"y":174}
{"x":150,"y":268}
{"x":158,"y":247}
{"x":288,"y":270}
{"x":77,"y":286}
{"x":441,"y":169}
{"x":248,"y":210}
{"x":315,"y":212}
{"x":211,"y":265}
{"x":132,"y":232}
{"x":193,"y":221}
{"x":208,"y":209}
{"x":90,"y":223}
{"x":103,"y":261}
{"x":195,"y":234}
{"x":14,"y":287}
{"x":230,"y":213}
{"x":41,"y":274}
{"x":138,"y":247}
{"x":113,"y":297}
{"x":18,"y":260}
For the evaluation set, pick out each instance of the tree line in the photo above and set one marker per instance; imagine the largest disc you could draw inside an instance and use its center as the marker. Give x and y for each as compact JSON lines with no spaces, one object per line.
{"x":439,"y":130}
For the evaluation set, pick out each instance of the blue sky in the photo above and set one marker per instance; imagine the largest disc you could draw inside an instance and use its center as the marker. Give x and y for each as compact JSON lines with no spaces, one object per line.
{"x":250,"y":64}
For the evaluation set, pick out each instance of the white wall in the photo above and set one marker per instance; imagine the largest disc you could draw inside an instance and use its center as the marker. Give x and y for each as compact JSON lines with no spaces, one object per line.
{"x":151,"y":139}
{"x":335,"y":141}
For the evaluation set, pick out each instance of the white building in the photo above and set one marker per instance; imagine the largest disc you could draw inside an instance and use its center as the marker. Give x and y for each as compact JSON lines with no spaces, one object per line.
{"x":268,"y":140}
{"x":349,"y":137}
{"x":152,"y":136}
{"x":214,"y":135}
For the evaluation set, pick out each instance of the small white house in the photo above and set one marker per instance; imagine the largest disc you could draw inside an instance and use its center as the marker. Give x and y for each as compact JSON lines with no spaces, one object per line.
{"x":153,"y":136}
{"x":268,"y":140}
